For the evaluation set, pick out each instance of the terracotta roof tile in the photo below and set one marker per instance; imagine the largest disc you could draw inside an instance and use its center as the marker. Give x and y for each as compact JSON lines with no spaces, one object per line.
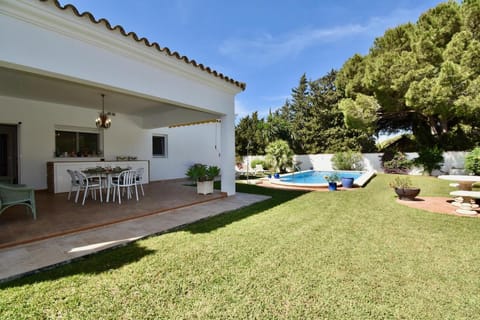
{"x":147,"y":43}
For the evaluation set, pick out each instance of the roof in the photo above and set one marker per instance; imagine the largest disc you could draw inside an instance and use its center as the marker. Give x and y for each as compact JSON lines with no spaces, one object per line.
{"x":134,"y":36}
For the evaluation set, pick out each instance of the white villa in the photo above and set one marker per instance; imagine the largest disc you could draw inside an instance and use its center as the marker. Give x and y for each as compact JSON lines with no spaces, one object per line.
{"x":55,"y":65}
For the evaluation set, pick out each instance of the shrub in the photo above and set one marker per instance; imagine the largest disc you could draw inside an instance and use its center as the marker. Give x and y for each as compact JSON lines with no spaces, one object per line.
{"x":255,"y":162}
{"x":347,"y":160}
{"x":430,"y":159}
{"x":395,"y":162}
{"x":401,"y":183}
{"x":472,"y":161}
{"x":201,"y":172}
{"x":279,"y":155}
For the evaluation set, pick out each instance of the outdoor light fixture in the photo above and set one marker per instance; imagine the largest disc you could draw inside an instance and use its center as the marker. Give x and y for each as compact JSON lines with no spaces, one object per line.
{"x":103,"y":121}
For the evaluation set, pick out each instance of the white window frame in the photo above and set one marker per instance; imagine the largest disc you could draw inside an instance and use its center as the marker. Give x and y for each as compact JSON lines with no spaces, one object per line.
{"x":165,"y":151}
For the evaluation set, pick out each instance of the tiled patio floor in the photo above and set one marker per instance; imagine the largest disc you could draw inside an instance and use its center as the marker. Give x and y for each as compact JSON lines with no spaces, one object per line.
{"x":152,"y":215}
{"x":56,"y":215}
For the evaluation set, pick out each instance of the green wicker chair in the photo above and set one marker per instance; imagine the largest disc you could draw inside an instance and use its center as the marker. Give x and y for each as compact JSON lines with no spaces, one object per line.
{"x":6,"y":180}
{"x":11,"y":195}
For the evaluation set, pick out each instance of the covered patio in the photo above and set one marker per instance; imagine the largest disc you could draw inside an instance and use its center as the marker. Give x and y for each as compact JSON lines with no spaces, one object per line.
{"x":62,"y":67}
{"x":57,"y":216}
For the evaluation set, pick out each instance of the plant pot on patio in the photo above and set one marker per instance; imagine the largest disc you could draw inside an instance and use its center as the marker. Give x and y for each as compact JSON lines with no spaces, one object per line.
{"x":203,"y":175}
{"x":205,"y":187}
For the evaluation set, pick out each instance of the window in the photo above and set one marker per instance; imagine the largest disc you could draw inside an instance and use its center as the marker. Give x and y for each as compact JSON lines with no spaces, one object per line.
{"x":159,"y":145}
{"x":77,"y":143}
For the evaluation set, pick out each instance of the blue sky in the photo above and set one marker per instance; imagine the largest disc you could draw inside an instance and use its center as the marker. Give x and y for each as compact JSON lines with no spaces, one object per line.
{"x":268,"y":44}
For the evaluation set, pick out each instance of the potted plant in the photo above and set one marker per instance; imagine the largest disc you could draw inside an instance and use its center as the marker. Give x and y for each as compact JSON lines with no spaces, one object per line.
{"x":203,"y":176}
{"x":404,"y":189}
{"x":332,"y":180}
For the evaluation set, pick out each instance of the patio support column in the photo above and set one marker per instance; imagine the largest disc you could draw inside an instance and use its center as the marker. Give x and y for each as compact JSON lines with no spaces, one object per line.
{"x":227,"y":159}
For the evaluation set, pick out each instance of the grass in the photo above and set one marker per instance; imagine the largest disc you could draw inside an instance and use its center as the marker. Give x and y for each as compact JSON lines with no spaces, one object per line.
{"x":329,"y":255}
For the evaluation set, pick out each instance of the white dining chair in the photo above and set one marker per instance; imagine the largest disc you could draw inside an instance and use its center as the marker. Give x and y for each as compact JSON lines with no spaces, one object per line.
{"x":91,"y":183}
{"x":139,"y":179}
{"x":125,"y":183}
{"x":75,"y":184}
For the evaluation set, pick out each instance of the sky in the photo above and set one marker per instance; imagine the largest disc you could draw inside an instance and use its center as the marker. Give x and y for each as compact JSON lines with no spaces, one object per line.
{"x":268,"y":44}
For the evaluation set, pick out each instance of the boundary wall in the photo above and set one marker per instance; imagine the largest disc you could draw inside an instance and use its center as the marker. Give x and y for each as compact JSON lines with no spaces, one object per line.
{"x":453,"y":162}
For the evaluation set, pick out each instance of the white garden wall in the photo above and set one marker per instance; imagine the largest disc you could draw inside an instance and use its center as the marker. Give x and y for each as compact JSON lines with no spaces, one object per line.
{"x":453,"y":162}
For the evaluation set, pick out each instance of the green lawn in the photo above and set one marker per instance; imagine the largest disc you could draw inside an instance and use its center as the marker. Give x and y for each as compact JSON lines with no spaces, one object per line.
{"x":318,"y":255}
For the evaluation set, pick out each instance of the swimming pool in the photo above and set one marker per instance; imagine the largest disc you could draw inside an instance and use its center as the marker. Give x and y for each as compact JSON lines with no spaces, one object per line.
{"x":313,"y":178}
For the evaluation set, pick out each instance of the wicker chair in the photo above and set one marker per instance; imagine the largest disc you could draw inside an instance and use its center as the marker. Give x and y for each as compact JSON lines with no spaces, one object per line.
{"x":11,"y":195}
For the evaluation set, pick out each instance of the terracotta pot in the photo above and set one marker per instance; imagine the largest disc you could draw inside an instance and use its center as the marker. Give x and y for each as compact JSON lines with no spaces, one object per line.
{"x":407,"y":193}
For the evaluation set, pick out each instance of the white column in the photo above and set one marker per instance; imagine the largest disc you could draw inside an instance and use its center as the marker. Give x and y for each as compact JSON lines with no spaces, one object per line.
{"x":227,"y":166}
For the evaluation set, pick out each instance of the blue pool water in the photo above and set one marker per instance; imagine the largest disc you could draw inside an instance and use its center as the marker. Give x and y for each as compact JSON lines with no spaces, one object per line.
{"x":316,"y":177}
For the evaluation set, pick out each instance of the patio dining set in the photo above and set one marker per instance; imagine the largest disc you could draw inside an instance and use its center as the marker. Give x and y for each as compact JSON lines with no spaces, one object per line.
{"x":104,"y":179}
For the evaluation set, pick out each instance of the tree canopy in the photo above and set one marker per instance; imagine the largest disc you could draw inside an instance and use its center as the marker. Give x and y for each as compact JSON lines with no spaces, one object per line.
{"x":422,"y":77}
{"x":310,"y":122}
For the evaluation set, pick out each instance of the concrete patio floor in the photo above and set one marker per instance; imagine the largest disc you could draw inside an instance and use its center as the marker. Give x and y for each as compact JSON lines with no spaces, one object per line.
{"x":165,"y":207}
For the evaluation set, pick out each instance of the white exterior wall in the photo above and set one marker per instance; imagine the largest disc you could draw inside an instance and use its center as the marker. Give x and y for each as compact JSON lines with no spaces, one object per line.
{"x":186,"y":145}
{"x":452,"y":160}
{"x":41,"y":39}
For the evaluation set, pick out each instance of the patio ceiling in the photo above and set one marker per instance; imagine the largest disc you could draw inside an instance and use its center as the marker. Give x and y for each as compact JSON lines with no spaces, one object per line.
{"x":26,"y":85}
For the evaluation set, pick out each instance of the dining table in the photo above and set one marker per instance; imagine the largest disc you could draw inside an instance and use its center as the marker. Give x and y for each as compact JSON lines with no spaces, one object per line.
{"x":107,"y":173}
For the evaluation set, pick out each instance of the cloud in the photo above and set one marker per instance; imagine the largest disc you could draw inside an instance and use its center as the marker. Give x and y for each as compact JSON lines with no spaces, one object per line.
{"x":268,"y":49}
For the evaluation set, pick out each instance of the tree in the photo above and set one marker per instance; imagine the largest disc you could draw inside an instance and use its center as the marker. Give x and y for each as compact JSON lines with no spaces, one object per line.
{"x":316,"y":122}
{"x":279,"y":156}
{"x":297,"y":109}
{"x":249,"y":136}
{"x":422,"y":77}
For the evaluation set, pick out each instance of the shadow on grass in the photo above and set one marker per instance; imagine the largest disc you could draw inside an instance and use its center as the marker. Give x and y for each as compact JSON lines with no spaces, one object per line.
{"x":278,"y":197}
{"x":104,"y":261}
{"x":95,"y":263}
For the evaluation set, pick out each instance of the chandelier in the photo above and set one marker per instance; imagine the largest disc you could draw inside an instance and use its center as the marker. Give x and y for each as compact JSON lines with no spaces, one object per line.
{"x":103,"y":121}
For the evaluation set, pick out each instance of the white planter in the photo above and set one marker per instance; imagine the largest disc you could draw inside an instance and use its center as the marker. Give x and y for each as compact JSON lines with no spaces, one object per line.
{"x":205,"y":187}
